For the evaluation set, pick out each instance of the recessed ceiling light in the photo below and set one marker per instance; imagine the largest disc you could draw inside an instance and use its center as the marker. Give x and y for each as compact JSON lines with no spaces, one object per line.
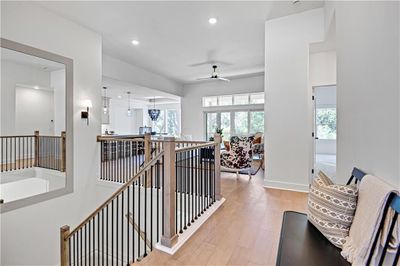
{"x":36,"y":87}
{"x":212,"y":20}
{"x":135,"y":42}
{"x":119,"y":96}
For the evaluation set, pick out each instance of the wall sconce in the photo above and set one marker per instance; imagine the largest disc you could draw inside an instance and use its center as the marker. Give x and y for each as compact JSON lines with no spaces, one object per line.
{"x":85,"y":114}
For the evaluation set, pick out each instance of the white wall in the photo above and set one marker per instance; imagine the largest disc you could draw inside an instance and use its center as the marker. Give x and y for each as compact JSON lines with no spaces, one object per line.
{"x":288,"y":107}
{"x":30,"y":235}
{"x":322,"y":72}
{"x":323,"y":68}
{"x":57,"y":81}
{"x":367,"y":45}
{"x":192,"y":110}
{"x":12,"y":74}
{"x":34,"y":111}
{"x":120,"y":122}
{"x":119,"y":70}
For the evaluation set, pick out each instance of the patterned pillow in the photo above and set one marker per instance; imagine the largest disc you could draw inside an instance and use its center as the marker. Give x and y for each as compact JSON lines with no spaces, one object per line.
{"x":331,"y":208}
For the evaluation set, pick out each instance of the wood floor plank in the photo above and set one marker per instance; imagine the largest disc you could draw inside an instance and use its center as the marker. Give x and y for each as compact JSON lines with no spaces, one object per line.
{"x":243,"y":231}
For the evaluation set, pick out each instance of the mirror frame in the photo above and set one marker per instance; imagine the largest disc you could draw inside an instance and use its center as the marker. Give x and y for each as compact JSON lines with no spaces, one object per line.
{"x":69,"y":181}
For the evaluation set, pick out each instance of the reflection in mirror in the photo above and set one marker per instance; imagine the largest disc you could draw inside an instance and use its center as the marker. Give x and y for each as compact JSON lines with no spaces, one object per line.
{"x":32,"y":133}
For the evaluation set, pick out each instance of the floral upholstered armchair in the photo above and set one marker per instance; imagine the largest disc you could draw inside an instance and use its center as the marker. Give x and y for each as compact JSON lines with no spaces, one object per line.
{"x":239,"y":156}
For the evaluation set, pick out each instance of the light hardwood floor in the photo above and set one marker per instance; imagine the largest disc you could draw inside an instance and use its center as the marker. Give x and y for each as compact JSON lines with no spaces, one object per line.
{"x":243,"y":231}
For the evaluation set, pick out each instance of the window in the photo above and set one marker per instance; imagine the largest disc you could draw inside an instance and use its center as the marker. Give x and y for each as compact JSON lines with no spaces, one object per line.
{"x":210,"y":101}
{"x":256,"y":121}
{"x":226,"y":124}
{"x":236,"y":99}
{"x":167,"y":122}
{"x":326,"y":123}
{"x":234,"y":123}
{"x":172,"y":122}
{"x":211,"y":124}
{"x":241,"y":123}
{"x":257,"y":98}
{"x":159,"y":125}
{"x":225,"y":100}
{"x":241,"y":99}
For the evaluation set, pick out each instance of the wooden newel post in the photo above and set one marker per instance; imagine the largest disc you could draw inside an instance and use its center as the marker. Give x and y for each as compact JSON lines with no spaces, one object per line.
{"x":217,"y":153}
{"x":169,"y":237}
{"x":64,"y":247}
{"x":36,"y":159}
{"x":147,"y":154}
{"x":147,"y":148}
{"x":63,"y":149}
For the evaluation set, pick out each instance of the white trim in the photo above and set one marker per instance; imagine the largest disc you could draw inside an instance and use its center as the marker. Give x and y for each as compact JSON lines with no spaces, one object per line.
{"x":182,"y":238}
{"x":286,"y":186}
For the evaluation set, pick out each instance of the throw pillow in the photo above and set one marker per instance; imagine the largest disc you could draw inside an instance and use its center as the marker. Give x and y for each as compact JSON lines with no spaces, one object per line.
{"x":331,"y":208}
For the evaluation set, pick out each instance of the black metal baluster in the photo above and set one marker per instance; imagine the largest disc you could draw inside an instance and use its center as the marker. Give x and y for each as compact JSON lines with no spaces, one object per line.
{"x":94,"y":240}
{"x":151,"y":206}
{"x":191,"y":183}
{"x":98,"y":239}
{"x":180,"y":194}
{"x":127,"y":223}
{"x":196,"y":183}
{"x":139,"y":185}
{"x":145,"y":213}
{"x":133,"y":221}
{"x":90,"y":251}
{"x":176,"y":192}
{"x":184,"y":189}
{"x":112,"y":232}
{"x":80,"y":238}
{"x":162,"y":198}
{"x":122,"y":228}
{"x":116,"y":230}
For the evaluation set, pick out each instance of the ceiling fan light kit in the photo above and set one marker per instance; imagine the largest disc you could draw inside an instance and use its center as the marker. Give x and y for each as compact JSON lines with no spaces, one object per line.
{"x":214,"y":75}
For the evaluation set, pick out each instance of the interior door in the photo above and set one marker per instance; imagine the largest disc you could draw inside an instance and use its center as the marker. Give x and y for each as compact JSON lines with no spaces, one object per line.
{"x":325,"y":129}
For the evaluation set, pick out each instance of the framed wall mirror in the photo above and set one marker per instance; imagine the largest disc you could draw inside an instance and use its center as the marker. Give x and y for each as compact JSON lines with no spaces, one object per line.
{"x":35,"y":126}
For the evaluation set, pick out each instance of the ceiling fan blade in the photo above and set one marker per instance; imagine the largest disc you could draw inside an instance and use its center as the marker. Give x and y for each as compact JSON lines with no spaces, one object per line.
{"x":203,"y":78}
{"x":224,"y":79}
{"x":211,"y":62}
{"x":202,"y":63}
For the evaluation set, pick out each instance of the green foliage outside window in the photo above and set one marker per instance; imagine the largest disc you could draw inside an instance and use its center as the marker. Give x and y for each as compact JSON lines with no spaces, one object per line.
{"x":326,"y":123}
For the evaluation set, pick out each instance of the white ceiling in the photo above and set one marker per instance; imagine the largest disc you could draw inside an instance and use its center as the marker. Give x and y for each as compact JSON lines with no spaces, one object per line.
{"x":118,"y":90}
{"x":29,"y":60}
{"x":175,"y":35}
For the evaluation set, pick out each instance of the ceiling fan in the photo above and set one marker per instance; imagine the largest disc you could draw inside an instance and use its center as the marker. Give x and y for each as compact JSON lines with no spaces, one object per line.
{"x":214,"y":76}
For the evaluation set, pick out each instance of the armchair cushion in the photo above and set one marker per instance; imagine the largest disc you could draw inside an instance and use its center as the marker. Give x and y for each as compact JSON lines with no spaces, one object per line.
{"x":240,"y":153}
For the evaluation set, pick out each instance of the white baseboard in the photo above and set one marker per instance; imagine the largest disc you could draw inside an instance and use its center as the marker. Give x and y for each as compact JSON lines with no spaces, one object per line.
{"x":286,"y":186}
{"x":182,"y":238}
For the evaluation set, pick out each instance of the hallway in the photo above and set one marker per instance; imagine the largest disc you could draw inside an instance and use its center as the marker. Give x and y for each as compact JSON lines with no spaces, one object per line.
{"x":244,"y":231}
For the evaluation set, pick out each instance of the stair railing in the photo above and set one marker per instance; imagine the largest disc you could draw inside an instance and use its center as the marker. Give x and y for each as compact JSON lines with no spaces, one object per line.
{"x":149,"y":199}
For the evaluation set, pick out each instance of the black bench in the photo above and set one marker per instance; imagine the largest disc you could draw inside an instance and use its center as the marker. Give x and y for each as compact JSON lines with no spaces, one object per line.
{"x":302,"y":244}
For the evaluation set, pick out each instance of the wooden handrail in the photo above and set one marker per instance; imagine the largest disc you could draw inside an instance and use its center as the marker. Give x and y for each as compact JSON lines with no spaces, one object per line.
{"x":194,"y":147}
{"x":118,"y":137}
{"x":17,"y":136}
{"x":116,"y":194}
{"x":181,"y":141}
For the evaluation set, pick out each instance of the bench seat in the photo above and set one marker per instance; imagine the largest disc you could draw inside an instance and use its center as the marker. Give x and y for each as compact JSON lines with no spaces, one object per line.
{"x":302,"y":244}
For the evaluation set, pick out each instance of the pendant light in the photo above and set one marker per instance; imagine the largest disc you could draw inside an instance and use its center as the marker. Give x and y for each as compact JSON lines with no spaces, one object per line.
{"x":154,"y":113}
{"x":129,"y":112}
{"x":105,"y":101}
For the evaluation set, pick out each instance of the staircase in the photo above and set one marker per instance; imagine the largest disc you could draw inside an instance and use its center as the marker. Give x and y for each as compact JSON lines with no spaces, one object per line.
{"x":177,"y":183}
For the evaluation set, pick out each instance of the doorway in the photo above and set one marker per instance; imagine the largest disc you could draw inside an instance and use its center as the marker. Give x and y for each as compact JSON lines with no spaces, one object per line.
{"x":325,"y":121}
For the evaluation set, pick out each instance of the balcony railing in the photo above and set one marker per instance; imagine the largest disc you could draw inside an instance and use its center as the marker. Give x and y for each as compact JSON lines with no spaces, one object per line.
{"x":27,"y":151}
